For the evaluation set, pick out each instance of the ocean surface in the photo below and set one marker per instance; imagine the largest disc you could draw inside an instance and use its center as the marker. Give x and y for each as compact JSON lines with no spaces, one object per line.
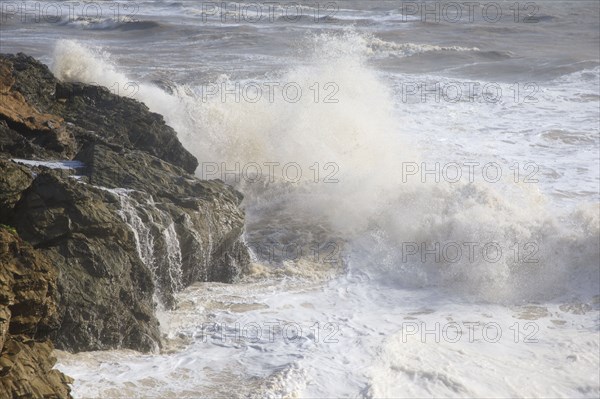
{"x":421,"y":181}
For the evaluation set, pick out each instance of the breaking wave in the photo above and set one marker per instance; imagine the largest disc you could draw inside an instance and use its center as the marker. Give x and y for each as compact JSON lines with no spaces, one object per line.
{"x":368,"y":207}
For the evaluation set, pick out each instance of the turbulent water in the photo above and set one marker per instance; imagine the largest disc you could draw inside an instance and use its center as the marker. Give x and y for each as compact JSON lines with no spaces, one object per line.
{"x":421,"y":187}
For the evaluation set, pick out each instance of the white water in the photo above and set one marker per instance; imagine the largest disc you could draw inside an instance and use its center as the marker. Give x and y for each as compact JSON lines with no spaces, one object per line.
{"x":371,"y":206}
{"x":144,"y":241}
{"x":149,"y":232}
{"x":371,"y":212}
{"x":173,"y":257}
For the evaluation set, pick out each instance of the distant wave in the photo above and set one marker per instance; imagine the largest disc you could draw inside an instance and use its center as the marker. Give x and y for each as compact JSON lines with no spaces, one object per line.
{"x":122,"y":23}
{"x":378,"y":46}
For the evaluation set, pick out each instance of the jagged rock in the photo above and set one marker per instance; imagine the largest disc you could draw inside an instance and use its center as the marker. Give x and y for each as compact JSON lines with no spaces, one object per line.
{"x":204,"y":214}
{"x":32,"y":79}
{"x":137,"y":170}
{"x":104,"y":290}
{"x":42,"y":129}
{"x":123,"y":121}
{"x":14,"y":179}
{"x":118,"y":120}
{"x":12,"y":142}
{"x":28,"y":315}
{"x":136,"y":226}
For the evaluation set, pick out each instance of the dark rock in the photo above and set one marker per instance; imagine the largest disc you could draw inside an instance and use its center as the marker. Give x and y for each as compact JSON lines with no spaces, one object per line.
{"x":119,"y":120}
{"x":28,"y":315}
{"x":77,"y":226}
{"x":14,"y":179}
{"x":140,"y":171}
{"x":32,"y":79}
{"x":204,"y":215}
{"x":42,"y":129}
{"x":137,"y":226}
{"x":15,"y":144}
{"x":125,"y":122}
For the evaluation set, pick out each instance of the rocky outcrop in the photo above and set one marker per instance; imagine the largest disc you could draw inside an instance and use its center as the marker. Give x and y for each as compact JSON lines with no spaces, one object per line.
{"x":92,"y":113}
{"x":42,"y":129}
{"x":204,"y":215}
{"x":130,"y":228}
{"x":105,"y":292}
{"x":28,"y":315}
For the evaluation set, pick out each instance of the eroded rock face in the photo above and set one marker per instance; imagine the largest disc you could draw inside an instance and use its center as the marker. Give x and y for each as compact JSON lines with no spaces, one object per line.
{"x":203,"y":217}
{"x":14,"y":179}
{"x":42,"y":129}
{"x":105,"y":292}
{"x":134,"y":228}
{"x":28,"y":316}
{"x":89,"y":112}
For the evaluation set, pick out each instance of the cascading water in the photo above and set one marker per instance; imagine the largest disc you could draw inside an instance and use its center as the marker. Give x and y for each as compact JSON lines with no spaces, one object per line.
{"x":173,"y":257}
{"x":144,"y":241}
{"x":156,"y":240}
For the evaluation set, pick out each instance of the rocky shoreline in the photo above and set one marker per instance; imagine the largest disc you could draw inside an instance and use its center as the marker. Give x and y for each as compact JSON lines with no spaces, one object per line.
{"x":102,"y":219}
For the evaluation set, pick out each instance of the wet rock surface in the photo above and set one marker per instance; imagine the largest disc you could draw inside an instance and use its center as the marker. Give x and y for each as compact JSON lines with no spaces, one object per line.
{"x":105,"y":291}
{"x":121,"y":233}
{"x":203,"y":215}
